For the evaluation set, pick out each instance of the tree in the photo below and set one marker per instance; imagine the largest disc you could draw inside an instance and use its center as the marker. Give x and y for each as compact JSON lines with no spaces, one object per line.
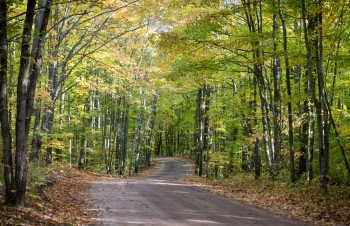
{"x":4,"y":112}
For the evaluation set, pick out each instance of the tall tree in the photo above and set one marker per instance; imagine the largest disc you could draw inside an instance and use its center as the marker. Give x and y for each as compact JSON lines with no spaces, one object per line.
{"x":4,"y":111}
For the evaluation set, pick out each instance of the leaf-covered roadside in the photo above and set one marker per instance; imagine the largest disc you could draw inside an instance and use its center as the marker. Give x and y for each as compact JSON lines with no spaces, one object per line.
{"x":59,"y":200}
{"x":145,"y":172}
{"x":303,"y":202}
{"x":58,"y":196}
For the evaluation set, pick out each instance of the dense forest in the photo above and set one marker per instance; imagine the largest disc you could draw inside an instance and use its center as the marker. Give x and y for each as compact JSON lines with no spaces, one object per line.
{"x":242,"y":86}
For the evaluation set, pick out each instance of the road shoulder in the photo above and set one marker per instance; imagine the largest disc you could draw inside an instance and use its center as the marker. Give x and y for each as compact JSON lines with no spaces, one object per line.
{"x":303,"y":205}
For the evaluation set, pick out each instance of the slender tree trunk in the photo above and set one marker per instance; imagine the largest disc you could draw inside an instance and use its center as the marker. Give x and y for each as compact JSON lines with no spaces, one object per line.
{"x":53,"y":87}
{"x":125,"y":133}
{"x":104,"y":129}
{"x":310,"y":144}
{"x":76,"y":144}
{"x":264,"y":114}
{"x":82,"y":154}
{"x":257,"y":159}
{"x":318,"y":103}
{"x":324,"y":140}
{"x":4,"y":111}
{"x":255,"y":27}
{"x":149,"y":138}
{"x":117,"y":133}
{"x":59,"y":152}
{"x":289,"y":93}
{"x":137,"y":141}
{"x":83,"y":148}
{"x":277,"y":122}
{"x":35,"y":66}
{"x":36,"y":142}
{"x":69,"y":130}
{"x":304,"y":134}
{"x":200,"y":126}
{"x":49,"y":130}
{"x":159,"y":143}
{"x":109,"y":146}
{"x":207,"y":140}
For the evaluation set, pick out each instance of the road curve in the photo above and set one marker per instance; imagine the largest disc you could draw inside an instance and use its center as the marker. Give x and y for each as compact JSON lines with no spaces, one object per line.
{"x":162,"y":200}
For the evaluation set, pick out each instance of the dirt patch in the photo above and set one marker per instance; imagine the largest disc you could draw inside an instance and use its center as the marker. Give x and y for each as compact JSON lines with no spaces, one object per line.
{"x":301,"y":202}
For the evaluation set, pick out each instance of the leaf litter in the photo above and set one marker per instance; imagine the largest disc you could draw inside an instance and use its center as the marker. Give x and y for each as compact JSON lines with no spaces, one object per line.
{"x":303,"y":202}
{"x":60,"y":200}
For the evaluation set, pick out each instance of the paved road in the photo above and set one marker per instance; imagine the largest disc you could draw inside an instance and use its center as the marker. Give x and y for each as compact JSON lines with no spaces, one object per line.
{"x":162,"y":200}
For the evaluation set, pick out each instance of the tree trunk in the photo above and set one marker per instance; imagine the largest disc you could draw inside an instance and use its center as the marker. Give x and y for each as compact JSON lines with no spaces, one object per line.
{"x":149,"y":138}
{"x":59,"y":152}
{"x":104,"y":129}
{"x":137,"y":141}
{"x":22,"y":86}
{"x":159,"y":143}
{"x":207,"y":139}
{"x":49,"y":130}
{"x":53,"y":88}
{"x":125,"y":133}
{"x":36,"y":142}
{"x":324,"y":139}
{"x":117,"y":133}
{"x":319,"y":103}
{"x":83,"y":148}
{"x":110,"y":137}
{"x":257,"y":159}
{"x":200,"y":131}
{"x":255,"y":28}
{"x":277,"y":121}
{"x":69,"y":130}
{"x":289,"y":93}
{"x":310,"y":144}
{"x":4,"y":111}
{"x":35,"y":66}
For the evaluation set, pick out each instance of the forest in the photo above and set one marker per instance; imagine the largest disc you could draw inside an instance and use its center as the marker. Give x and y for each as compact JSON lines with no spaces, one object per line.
{"x":243,"y":87}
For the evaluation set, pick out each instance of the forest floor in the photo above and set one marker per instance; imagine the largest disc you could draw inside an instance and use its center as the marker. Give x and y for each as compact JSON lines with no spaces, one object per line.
{"x":300,"y":201}
{"x":57,"y":196}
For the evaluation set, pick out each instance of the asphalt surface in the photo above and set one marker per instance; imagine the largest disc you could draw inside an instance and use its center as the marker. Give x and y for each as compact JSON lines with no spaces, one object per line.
{"x":162,"y":200}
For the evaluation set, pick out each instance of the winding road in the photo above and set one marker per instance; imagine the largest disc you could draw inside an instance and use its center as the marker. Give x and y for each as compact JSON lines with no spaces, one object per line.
{"x":162,"y":200}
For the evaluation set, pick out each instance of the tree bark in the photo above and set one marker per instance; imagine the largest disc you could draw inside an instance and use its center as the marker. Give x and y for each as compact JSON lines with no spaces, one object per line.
{"x":137,"y":140}
{"x":22,"y":95}
{"x":84,"y":142}
{"x":319,"y":103}
{"x":289,"y":93}
{"x":124,"y":138}
{"x":257,"y":159}
{"x":149,"y":138}
{"x":277,"y":121}
{"x":255,"y":27}
{"x":207,"y":139}
{"x":4,"y":111}
{"x":324,"y":139}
